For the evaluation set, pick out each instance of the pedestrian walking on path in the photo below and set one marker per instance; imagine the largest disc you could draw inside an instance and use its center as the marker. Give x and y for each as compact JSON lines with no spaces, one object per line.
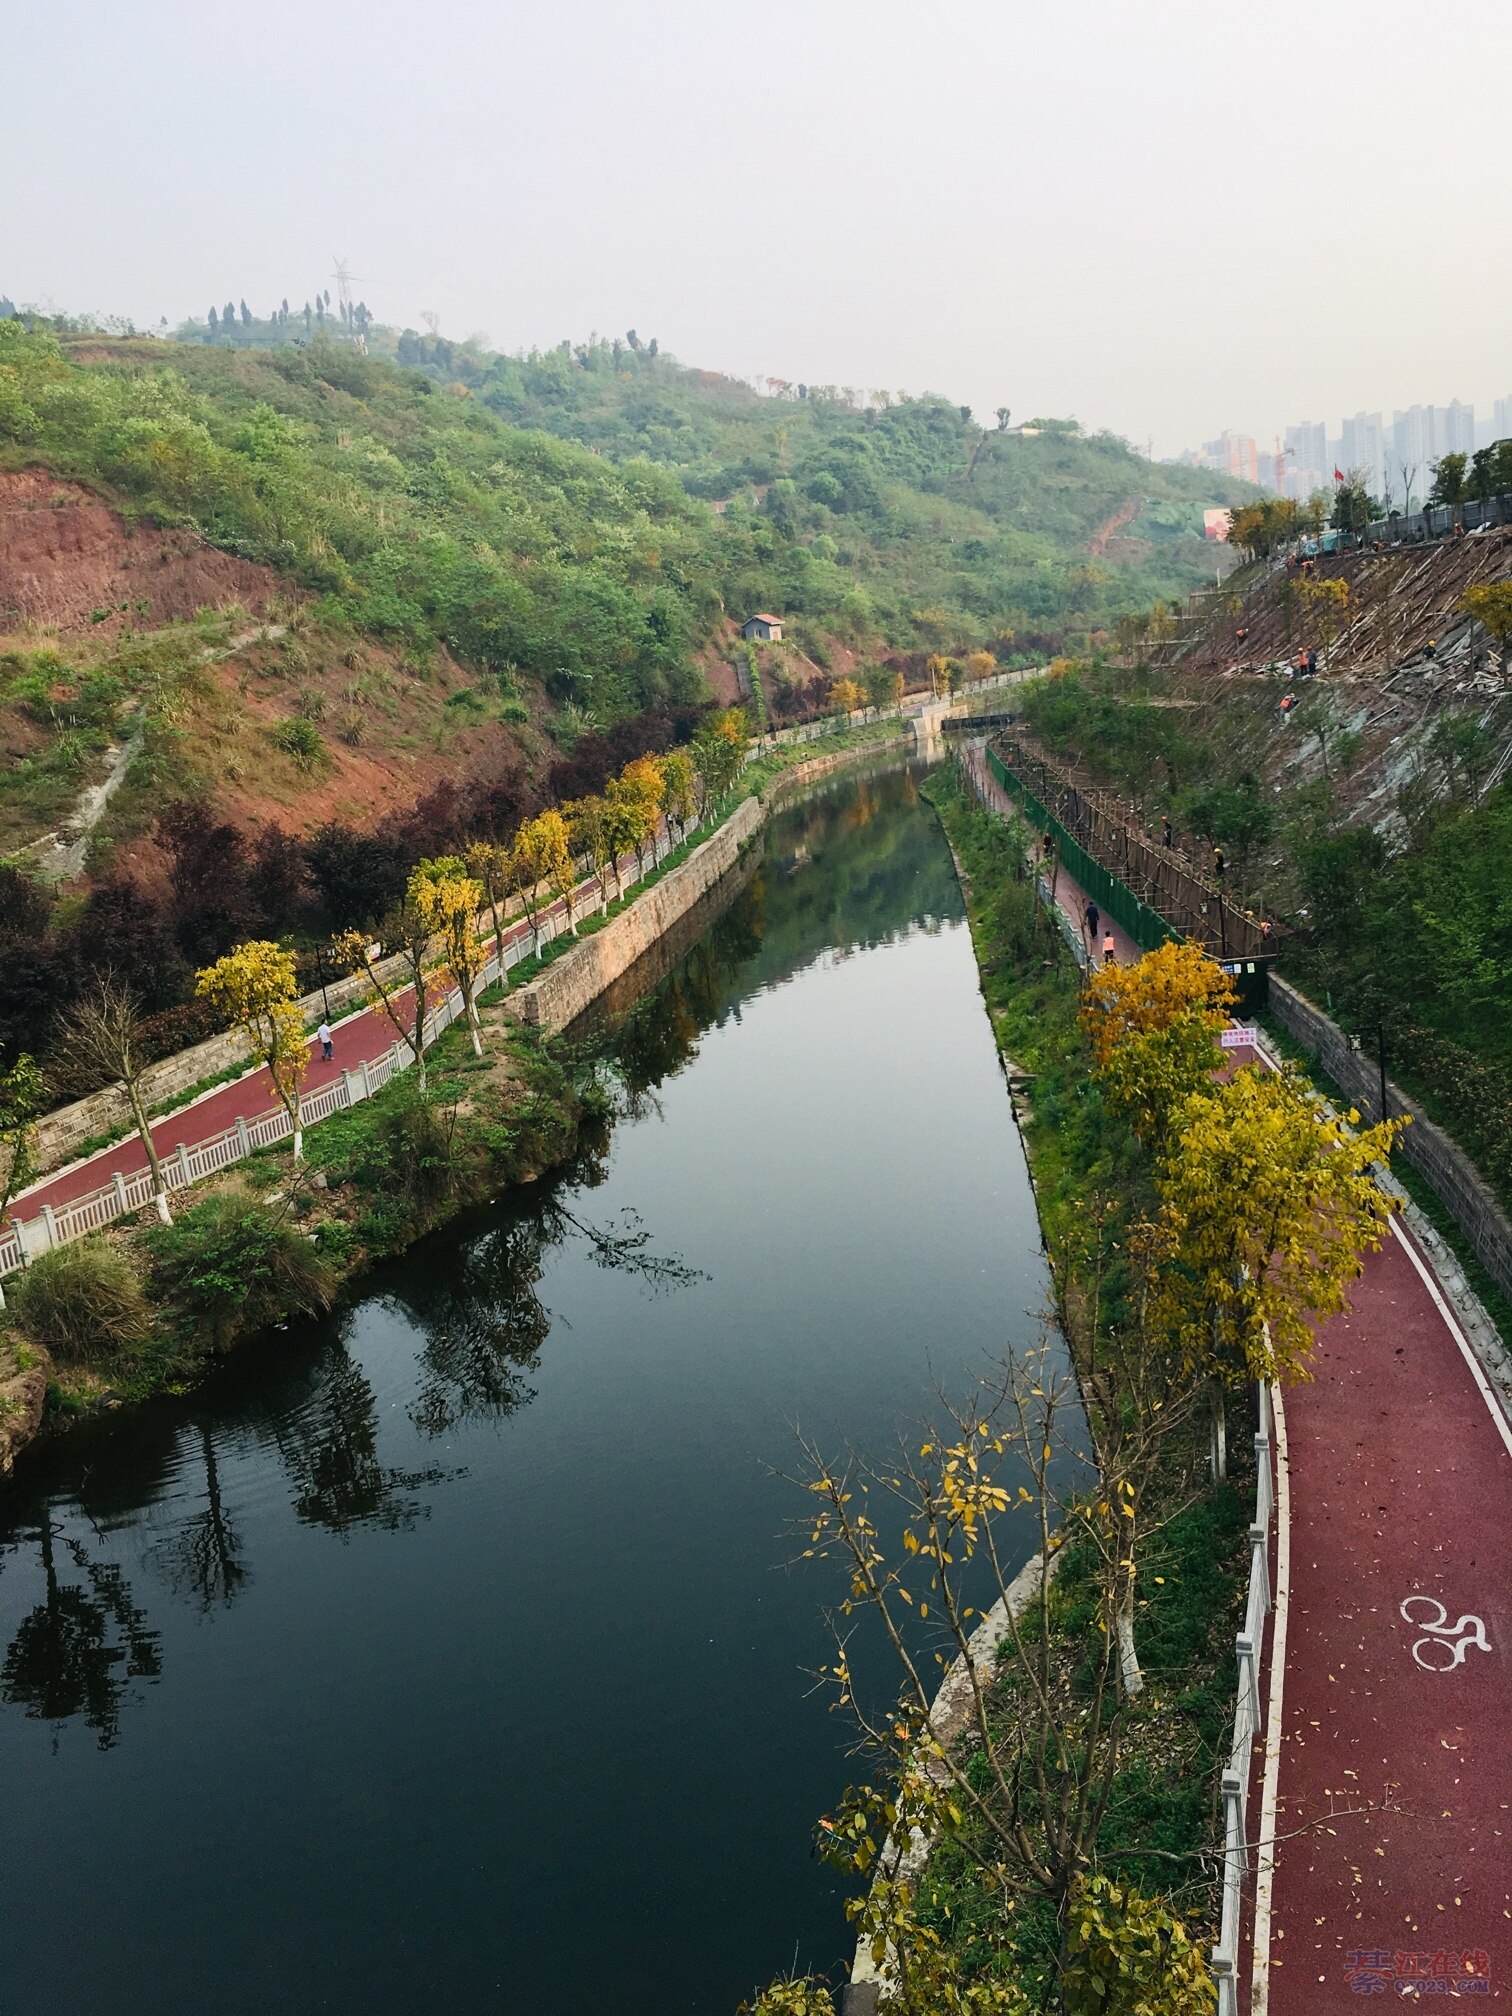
{"x":1110,"y":951}
{"x":1094,"y":918}
{"x":326,"y":1049}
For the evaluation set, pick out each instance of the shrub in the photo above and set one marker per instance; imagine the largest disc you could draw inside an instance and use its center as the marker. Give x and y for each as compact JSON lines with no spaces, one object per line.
{"x":82,"y":1303}
{"x":1129,"y":1955}
{"x":302,"y":740}
{"x":233,"y":1264}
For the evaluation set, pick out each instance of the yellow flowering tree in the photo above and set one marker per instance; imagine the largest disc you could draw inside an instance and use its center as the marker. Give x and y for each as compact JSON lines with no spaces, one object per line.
{"x":1267,"y":1202}
{"x":634,"y":812}
{"x":677,"y":787}
{"x":488,"y":864}
{"x":407,"y":935}
{"x":1153,"y":1028}
{"x":588,"y":826}
{"x":255,"y":990}
{"x":447,"y":899}
{"x":532,"y":860}
{"x":845,"y":696}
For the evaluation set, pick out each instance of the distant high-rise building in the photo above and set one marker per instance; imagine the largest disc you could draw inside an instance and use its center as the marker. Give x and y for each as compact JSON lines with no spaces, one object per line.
{"x":1458,"y":429}
{"x":1501,"y":419}
{"x":1234,"y":454}
{"x":1415,"y":447}
{"x":1362,"y":450}
{"x":1308,"y":467}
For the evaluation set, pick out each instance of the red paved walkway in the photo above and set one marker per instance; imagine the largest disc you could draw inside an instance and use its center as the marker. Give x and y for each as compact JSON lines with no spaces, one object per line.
{"x":1401,"y":1489}
{"x":1070,"y":897}
{"x":364,"y":1036}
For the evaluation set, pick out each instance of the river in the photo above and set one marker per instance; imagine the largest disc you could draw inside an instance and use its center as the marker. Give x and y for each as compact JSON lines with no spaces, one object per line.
{"x":441,"y":1654}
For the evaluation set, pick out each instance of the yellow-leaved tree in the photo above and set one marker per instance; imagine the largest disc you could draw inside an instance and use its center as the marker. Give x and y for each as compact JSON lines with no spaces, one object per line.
{"x":488,"y":863}
{"x":447,"y":899}
{"x":1267,"y":1202}
{"x":939,"y":669}
{"x":588,"y":829}
{"x":530,"y":864}
{"x":1153,"y":1028}
{"x":644,"y":777}
{"x":845,"y":696}
{"x":677,"y":787}
{"x":254,"y":988}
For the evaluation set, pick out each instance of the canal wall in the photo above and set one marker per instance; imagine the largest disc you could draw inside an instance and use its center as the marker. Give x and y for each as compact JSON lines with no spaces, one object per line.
{"x":571,"y":984}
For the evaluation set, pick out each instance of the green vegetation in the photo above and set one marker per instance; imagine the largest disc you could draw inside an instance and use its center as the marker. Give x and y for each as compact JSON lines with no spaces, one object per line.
{"x":548,"y":516}
{"x":1409,"y":935}
{"x":1069,"y":1800}
{"x":863,"y":514}
{"x":232,"y":1265}
{"x":82,"y":1303}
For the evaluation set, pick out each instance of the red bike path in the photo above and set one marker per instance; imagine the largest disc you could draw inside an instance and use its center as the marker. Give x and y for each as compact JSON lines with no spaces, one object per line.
{"x":360,"y":1037}
{"x":1388,"y":1822}
{"x":1400,"y":1464}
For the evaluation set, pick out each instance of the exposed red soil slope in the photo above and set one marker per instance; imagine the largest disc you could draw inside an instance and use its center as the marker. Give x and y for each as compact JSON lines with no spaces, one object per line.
{"x":64,"y":554}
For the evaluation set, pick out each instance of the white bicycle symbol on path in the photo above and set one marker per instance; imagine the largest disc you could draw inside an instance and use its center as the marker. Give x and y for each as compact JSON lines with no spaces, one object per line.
{"x":1452,"y":1640}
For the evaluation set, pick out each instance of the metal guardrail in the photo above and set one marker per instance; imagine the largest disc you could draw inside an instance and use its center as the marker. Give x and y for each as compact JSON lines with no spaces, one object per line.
{"x":1248,"y":1720}
{"x":23,"y":1240}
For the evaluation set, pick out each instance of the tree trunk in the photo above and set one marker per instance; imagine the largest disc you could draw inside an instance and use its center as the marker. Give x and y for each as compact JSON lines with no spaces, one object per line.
{"x":1128,"y":1658}
{"x":1218,"y":1401}
{"x":144,"y":1131}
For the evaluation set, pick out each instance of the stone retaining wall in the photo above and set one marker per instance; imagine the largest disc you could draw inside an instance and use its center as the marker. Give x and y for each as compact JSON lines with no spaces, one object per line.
{"x":1454,"y":1177}
{"x":61,"y":1134}
{"x":571,"y":984}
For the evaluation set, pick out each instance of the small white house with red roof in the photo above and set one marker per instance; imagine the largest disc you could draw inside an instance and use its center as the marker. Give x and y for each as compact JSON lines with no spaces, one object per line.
{"x":762,"y":629}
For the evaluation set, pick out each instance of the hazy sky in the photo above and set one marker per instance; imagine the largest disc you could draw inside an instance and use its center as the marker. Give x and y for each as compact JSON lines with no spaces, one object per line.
{"x":1154,"y":214}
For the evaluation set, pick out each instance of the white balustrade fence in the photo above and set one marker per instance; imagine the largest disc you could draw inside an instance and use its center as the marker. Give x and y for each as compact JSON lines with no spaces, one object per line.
{"x":24,"y":1239}
{"x":1248,"y":1721}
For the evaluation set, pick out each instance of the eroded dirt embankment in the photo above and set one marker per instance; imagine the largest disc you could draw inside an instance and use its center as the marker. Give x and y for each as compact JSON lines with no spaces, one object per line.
{"x":65,"y":555}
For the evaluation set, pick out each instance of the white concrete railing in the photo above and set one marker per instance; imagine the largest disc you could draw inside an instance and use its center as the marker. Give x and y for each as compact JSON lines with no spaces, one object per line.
{"x":1224,"y":1958}
{"x":24,"y":1239}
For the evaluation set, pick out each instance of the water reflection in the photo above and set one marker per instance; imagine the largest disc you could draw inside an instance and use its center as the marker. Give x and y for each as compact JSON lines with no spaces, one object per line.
{"x":204,"y":1556}
{"x":462,"y":1601}
{"x":78,"y":1652}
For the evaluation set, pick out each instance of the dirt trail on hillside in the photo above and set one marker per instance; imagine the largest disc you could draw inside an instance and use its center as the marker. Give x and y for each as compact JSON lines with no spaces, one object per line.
{"x":1109,"y":530}
{"x":64,"y":555}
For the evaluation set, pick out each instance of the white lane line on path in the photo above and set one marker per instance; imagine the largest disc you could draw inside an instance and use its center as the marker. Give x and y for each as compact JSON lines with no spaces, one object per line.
{"x":1467,"y":1351}
{"x":1265,"y":1839}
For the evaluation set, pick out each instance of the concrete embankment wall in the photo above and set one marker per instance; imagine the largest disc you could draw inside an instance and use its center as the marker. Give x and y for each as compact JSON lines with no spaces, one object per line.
{"x":106,"y":1114}
{"x":1428,"y":1148}
{"x":572,"y":983}
{"x":61,"y":1134}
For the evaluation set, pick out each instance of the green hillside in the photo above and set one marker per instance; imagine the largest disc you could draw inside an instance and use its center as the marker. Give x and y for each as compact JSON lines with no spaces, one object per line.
{"x":907,"y":519}
{"x":890,"y":526}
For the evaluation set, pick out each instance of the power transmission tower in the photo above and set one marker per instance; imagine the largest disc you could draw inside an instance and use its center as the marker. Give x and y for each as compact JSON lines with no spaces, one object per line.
{"x":344,"y":276}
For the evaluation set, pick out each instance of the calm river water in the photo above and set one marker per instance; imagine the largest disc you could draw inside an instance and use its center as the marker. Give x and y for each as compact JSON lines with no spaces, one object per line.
{"x":440,"y":1656}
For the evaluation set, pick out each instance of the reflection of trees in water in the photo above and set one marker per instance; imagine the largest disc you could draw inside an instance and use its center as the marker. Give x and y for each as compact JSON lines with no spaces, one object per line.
{"x":329,"y":1448}
{"x":484,"y":1319}
{"x":846,"y":868}
{"x":484,"y":1327}
{"x":202,"y":1557}
{"x":80,"y":1649}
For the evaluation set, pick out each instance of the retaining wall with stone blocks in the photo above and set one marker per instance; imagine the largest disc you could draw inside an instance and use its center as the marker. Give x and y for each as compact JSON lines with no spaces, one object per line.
{"x":1454,"y":1177}
{"x":571,"y":984}
{"x":61,"y":1134}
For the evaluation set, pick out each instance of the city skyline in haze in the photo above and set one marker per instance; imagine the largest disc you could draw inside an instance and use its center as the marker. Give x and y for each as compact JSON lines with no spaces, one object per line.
{"x":1003,"y":204}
